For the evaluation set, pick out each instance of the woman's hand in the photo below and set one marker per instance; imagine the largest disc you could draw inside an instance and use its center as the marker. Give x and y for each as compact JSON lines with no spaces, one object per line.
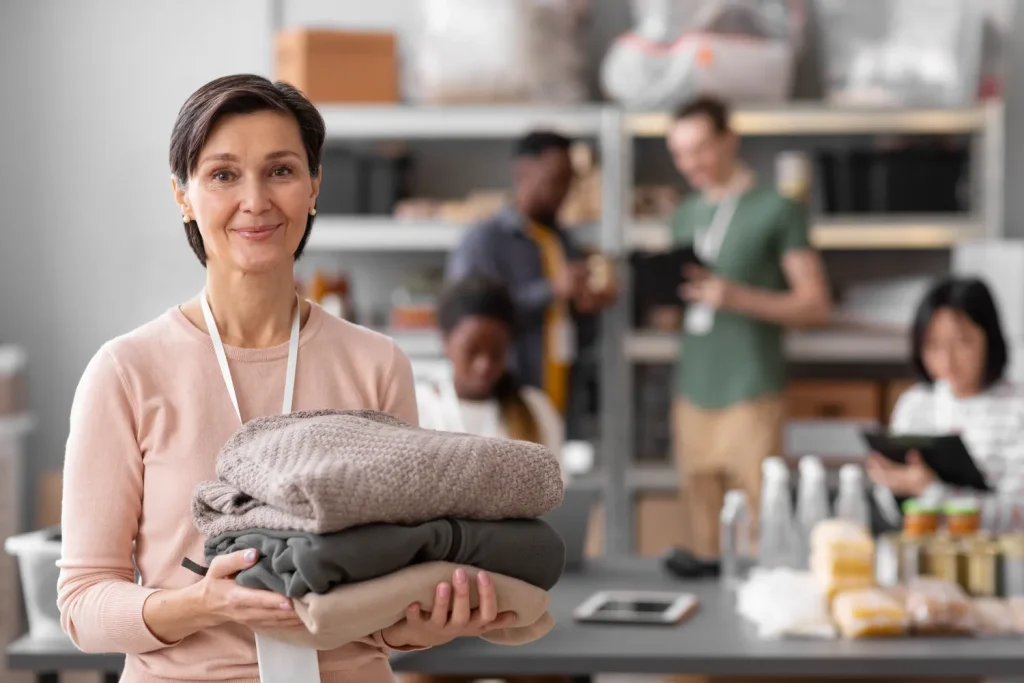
{"x":229,"y":602}
{"x":422,"y":629}
{"x":912,"y":479}
{"x":216,"y":599}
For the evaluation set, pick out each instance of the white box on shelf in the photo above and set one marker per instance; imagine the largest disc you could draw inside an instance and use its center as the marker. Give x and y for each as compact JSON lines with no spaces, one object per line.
{"x":37,"y":553}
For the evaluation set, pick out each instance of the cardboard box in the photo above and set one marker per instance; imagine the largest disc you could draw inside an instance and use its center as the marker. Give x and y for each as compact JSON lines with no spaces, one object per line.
{"x":840,"y":399}
{"x":339,"y":66}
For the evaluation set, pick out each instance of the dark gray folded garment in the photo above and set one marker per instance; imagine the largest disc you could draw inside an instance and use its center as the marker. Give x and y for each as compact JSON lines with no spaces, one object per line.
{"x":295,"y":563}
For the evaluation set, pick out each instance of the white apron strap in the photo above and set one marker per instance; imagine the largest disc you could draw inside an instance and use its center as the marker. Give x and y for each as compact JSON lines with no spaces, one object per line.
{"x":278,"y":662}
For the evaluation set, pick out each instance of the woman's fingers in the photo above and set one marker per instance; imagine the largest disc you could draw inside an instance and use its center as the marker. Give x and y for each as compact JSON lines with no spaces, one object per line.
{"x":461,"y":610}
{"x":488,"y":604}
{"x":442,"y":601}
{"x":250,"y":598}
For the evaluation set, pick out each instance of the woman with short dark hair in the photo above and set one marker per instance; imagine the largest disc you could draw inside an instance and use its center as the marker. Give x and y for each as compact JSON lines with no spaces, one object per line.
{"x":155,"y":405}
{"x":960,"y":355}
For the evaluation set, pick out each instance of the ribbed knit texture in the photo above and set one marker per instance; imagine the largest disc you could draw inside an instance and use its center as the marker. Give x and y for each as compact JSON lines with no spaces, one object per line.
{"x":329,"y":470}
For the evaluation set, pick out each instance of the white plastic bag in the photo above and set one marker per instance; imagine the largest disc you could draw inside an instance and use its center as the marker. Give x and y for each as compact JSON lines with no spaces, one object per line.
{"x":785,"y":603}
{"x":738,"y":50}
{"x":484,"y":51}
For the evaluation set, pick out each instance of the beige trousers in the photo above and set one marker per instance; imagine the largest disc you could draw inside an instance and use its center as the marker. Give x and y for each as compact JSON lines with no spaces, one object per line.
{"x":722,"y":449}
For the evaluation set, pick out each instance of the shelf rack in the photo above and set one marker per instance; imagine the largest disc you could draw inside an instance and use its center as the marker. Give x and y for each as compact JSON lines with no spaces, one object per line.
{"x":618,"y":234}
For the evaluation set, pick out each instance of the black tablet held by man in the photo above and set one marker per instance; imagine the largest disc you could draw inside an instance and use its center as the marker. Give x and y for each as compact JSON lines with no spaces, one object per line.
{"x":661,"y":274}
{"x":946,"y":455}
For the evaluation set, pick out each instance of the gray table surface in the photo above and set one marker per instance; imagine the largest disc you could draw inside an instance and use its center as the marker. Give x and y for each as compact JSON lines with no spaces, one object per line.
{"x":714,"y":641}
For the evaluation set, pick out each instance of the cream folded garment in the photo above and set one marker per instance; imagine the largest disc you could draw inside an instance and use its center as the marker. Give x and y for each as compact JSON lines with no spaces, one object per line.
{"x":349,"y":612}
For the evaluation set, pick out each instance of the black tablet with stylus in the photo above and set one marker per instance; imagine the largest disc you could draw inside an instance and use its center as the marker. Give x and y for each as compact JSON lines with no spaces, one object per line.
{"x":946,"y":455}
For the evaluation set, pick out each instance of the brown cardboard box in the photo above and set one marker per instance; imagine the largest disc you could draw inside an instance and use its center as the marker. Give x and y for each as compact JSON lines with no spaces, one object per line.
{"x":834,"y":399}
{"x":339,"y":66}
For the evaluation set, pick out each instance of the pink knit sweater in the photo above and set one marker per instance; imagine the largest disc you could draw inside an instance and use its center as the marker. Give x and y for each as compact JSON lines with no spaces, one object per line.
{"x":148,"y":418}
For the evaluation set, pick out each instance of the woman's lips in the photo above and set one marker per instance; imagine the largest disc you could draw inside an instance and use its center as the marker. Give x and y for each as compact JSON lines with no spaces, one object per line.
{"x":257,"y":232}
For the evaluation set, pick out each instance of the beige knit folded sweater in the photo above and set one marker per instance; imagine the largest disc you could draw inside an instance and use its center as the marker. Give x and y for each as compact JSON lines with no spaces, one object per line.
{"x":324,"y":471}
{"x":348,"y":612}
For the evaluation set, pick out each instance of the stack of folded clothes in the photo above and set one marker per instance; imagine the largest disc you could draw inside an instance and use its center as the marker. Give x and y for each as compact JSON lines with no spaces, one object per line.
{"x":357,"y":515}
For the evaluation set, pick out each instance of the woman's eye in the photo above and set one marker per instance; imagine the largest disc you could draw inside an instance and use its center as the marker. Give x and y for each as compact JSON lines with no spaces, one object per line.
{"x":279,"y":171}
{"x":222,"y":176}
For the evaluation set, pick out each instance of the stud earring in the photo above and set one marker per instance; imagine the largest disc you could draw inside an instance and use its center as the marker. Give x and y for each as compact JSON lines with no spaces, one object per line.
{"x":312,"y":211}
{"x":184,"y":218}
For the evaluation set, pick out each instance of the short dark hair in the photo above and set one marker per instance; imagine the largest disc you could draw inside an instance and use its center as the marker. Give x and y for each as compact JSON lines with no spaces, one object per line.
{"x":240,"y":94}
{"x":716,"y":110}
{"x":972,"y":298}
{"x":537,"y":142}
{"x":475,"y":295}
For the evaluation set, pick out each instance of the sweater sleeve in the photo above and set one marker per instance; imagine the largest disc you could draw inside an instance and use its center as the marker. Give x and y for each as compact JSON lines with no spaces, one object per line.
{"x":398,"y":397}
{"x":100,"y":603}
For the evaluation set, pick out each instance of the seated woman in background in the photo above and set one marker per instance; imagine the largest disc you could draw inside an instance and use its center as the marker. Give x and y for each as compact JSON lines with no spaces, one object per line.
{"x":960,"y":355}
{"x":477,"y":320}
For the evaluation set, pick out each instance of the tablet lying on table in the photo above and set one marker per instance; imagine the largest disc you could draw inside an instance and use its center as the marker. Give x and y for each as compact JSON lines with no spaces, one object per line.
{"x":946,"y":455}
{"x":637,"y":607}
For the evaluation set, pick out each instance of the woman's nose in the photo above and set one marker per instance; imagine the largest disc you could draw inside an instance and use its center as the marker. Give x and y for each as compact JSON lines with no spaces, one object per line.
{"x":255,"y":197}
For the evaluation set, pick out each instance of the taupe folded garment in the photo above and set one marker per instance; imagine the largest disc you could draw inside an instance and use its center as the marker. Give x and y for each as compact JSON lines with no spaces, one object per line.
{"x":294,"y":563}
{"x":353,"y":611}
{"x":324,"y":471}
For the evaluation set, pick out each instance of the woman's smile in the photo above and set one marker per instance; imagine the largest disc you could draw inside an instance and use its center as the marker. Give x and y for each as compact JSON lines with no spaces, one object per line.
{"x":257,"y":232}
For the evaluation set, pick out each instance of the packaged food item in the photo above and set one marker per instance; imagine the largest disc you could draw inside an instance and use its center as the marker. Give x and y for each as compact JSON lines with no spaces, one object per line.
{"x":993,"y":617}
{"x":937,"y":606}
{"x":963,"y":517}
{"x":941,"y":557}
{"x":869,"y":613}
{"x":981,"y":567}
{"x":842,"y":556}
{"x":919,"y":519}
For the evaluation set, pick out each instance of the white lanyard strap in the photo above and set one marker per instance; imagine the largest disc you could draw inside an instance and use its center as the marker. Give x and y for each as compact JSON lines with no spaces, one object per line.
{"x":278,"y":662}
{"x":225,"y":370}
{"x":709,"y":242}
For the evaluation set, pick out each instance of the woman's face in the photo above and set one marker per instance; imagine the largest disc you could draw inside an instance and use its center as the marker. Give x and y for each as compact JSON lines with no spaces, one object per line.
{"x":478,"y":350}
{"x":251,"y":192}
{"x":954,"y":351}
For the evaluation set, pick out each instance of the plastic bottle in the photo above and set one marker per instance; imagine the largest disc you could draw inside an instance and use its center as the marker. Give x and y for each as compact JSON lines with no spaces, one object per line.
{"x":776,"y":539}
{"x":734,"y":538}
{"x":812,"y":505}
{"x":852,"y":502}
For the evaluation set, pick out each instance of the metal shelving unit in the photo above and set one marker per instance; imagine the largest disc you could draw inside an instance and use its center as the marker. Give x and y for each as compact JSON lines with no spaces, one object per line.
{"x":984,"y":123}
{"x":617,"y":234}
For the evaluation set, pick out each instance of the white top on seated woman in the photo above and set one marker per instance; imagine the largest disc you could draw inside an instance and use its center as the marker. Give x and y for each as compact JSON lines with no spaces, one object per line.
{"x":478,"y":395}
{"x":960,"y":356}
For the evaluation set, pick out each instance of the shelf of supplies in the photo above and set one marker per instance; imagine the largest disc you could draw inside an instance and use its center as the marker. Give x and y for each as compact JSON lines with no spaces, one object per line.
{"x":813,"y":118}
{"x":845,"y":232}
{"x":828,"y":345}
{"x":383,"y":233}
{"x":455,"y":122}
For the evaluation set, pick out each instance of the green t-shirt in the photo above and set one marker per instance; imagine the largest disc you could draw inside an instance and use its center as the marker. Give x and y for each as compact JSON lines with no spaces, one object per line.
{"x":740,"y":358}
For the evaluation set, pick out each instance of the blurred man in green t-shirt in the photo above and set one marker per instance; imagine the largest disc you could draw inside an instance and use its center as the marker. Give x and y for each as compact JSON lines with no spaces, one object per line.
{"x":762,"y":277}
